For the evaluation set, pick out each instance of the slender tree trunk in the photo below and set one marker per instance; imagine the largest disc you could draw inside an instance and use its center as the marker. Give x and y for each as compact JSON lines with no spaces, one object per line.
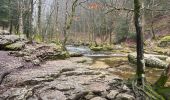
{"x":10,"y":17}
{"x":152,"y":15}
{"x":140,"y":61}
{"x":21,"y":17}
{"x":39,"y":17}
{"x":68,"y":21}
{"x":30,"y":31}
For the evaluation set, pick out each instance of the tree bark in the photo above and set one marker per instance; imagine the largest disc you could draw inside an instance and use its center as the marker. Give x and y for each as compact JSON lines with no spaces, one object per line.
{"x":21,"y":17}
{"x":140,"y":61}
{"x":68,"y":21}
{"x":39,"y":17}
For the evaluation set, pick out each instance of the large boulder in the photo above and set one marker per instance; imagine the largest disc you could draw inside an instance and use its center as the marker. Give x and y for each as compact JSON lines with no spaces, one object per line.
{"x":12,"y":42}
{"x":153,"y":61}
{"x":15,"y":46}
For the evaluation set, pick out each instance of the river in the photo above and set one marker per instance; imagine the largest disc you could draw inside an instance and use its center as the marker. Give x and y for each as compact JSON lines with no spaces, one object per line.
{"x":117,"y":62}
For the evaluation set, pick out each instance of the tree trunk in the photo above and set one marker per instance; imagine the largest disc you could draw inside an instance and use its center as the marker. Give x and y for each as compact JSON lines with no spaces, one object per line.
{"x":140,"y":61}
{"x":39,"y":17}
{"x":21,"y":17}
{"x":30,"y":31}
{"x":68,"y":21}
{"x":152,"y":15}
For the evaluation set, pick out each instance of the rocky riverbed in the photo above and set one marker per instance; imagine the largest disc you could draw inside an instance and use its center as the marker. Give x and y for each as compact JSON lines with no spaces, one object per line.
{"x":45,"y":72}
{"x":61,"y":80}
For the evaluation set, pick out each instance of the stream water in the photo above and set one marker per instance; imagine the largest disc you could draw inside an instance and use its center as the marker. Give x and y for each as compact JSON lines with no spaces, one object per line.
{"x":118,"y":63}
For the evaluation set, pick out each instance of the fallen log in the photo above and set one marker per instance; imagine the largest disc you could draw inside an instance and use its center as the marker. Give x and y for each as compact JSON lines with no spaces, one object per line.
{"x":153,"y":61}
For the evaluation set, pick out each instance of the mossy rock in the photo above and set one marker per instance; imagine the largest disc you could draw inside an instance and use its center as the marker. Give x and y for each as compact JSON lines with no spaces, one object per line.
{"x":63,"y":55}
{"x":98,"y":48}
{"x":164,"y":41}
{"x":74,"y":54}
{"x":101,"y":48}
{"x":107,"y":47}
{"x":15,"y":46}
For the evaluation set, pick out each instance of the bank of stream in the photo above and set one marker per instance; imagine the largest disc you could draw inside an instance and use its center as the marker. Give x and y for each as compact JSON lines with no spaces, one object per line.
{"x":116,"y":62}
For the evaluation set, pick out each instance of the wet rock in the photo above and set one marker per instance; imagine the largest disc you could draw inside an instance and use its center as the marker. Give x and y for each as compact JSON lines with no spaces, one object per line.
{"x":112,"y":94}
{"x":52,"y":95}
{"x":124,"y":96}
{"x":98,"y":98}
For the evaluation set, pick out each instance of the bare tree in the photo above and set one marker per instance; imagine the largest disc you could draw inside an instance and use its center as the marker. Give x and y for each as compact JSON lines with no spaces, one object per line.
{"x":68,"y":20}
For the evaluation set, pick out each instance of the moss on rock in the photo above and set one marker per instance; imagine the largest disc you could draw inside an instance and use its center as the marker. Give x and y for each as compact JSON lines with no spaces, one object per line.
{"x":15,"y":46}
{"x":164,"y":41}
{"x":101,"y":48}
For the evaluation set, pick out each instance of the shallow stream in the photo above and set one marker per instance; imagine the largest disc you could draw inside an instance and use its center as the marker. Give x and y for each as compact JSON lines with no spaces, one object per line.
{"x":117,"y":63}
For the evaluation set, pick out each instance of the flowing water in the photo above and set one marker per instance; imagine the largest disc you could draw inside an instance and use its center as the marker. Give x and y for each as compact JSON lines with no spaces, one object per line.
{"x":117,"y":63}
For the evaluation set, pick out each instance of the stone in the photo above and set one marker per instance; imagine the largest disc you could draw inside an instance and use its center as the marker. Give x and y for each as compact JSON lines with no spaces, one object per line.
{"x":165,"y":41}
{"x":75,"y":54}
{"x":4,"y":32}
{"x":98,"y":98}
{"x":52,"y":95}
{"x":124,"y":96}
{"x":36,"y":62}
{"x":98,"y":87}
{"x":112,"y":94}
{"x":89,"y":96}
{"x":15,"y":46}
{"x":168,"y":60}
{"x":149,"y":60}
{"x":15,"y":93}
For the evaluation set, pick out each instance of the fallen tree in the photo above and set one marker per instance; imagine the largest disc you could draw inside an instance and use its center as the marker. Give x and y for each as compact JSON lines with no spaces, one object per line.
{"x":154,"y":61}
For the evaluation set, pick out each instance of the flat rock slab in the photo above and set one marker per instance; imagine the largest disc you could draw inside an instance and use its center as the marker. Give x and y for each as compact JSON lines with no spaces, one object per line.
{"x":57,"y":80}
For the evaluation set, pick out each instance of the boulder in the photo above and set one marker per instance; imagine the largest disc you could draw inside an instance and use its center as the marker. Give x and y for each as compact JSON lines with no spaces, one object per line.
{"x":4,"y":32}
{"x":112,"y":95}
{"x":52,"y":95}
{"x":75,"y":54}
{"x":124,"y":96}
{"x":12,"y":42}
{"x":15,"y":46}
{"x":165,"y":41}
{"x":150,"y":61}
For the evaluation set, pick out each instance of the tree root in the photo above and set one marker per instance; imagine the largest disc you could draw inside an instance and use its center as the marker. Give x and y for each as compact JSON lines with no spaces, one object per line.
{"x":146,"y":92}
